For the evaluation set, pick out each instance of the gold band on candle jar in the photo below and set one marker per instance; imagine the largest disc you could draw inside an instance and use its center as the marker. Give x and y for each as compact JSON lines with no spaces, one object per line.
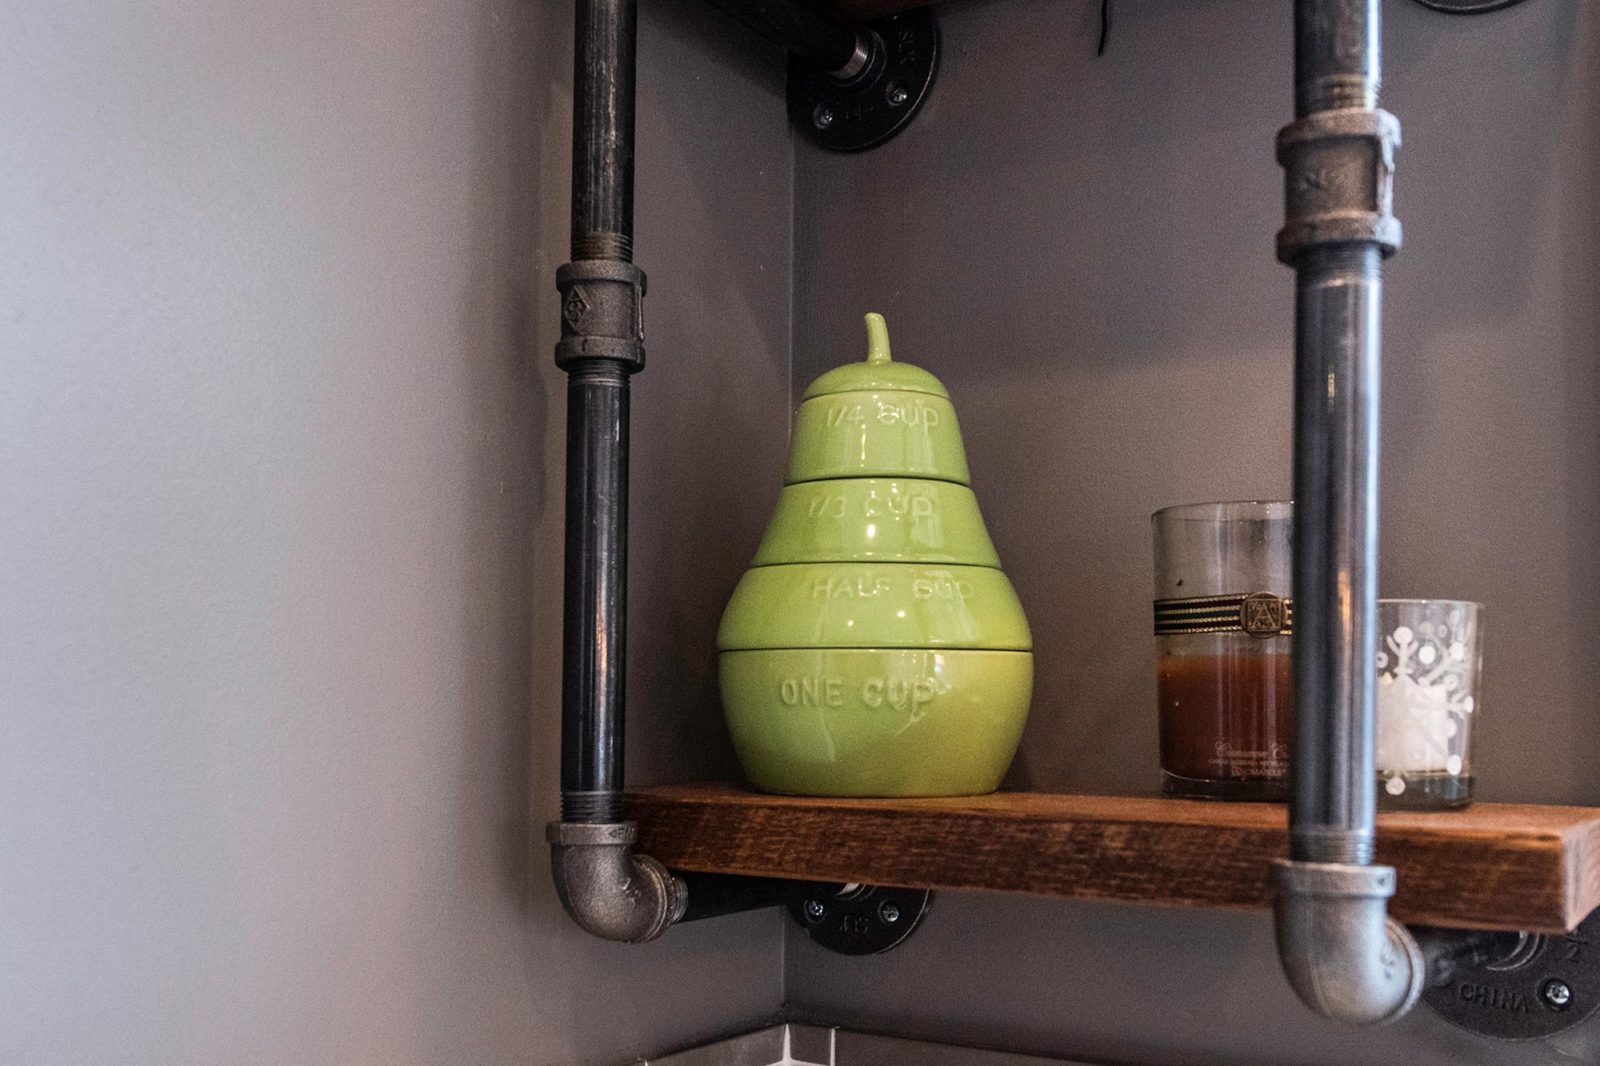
{"x":1260,"y":614}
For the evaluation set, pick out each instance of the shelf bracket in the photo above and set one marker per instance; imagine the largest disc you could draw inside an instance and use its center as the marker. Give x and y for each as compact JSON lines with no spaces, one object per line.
{"x":851,"y":919}
{"x":852,"y":115}
{"x":1513,"y":986}
{"x":851,"y":86}
{"x":861,"y":919}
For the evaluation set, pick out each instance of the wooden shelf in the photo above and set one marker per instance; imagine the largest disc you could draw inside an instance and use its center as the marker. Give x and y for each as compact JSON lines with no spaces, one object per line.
{"x":1493,"y":866}
{"x":866,"y":10}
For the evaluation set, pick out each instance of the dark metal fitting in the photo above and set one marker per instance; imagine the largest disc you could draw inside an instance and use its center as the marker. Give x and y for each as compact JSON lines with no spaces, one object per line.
{"x":1339,"y":181}
{"x":606,"y":888}
{"x":859,"y":919}
{"x":875,"y":92}
{"x":591,"y":834}
{"x":1514,"y":986}
{"x":1344,"y":956}
{"x":1335,"y":880}
{"x":602,"y":313}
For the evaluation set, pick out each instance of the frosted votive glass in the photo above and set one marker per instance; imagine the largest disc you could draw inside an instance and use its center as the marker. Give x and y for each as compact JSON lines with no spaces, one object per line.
{"x":1429,"y":660}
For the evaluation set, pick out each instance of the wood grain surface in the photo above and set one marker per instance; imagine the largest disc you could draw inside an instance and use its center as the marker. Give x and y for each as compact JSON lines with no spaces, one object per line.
{"x":1492,"y":866}
{"x":865,"y":10}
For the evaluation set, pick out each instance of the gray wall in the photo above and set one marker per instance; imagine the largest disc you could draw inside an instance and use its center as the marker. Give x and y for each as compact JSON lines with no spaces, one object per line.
{"x":280,"y":509}
{"x":280,"y":502}
{"x":1081,"y":249}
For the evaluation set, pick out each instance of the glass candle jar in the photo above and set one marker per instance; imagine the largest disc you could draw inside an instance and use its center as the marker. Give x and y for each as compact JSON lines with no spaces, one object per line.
{"x":1429,"y":660}
{"x":1225,"y":687}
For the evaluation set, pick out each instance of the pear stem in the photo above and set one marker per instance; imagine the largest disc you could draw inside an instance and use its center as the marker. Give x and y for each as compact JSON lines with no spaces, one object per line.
{"x":877,"y":339}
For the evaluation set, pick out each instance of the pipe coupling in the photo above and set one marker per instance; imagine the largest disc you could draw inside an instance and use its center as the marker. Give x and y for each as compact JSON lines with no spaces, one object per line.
{"x":608,"y":890}
{"x":602,"y":313}
{"x":1344,"y":956}
{"x":1339,"y":181}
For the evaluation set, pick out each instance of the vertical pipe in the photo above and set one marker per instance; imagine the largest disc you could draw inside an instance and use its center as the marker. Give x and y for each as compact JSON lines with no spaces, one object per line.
{"x":1336,"y":236}
{"x":607,"y":888}
{"x":1335,"y":553}
{"x":602,"y":129}
{"x":1342,"y":954}
{"x":601,"y":347}
{"x":1335,"y":55}
{"x":594,"y":629}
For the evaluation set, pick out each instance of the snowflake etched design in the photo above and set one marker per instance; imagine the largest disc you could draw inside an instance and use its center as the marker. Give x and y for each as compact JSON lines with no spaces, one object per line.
{"x":1424,"y":698}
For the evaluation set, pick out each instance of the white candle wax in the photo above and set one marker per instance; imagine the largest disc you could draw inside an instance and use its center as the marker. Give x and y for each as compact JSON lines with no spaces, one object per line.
{"x":1415,"y":727}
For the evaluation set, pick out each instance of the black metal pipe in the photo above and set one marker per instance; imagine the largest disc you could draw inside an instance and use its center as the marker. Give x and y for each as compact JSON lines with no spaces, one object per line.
{"x":594,"y":623}
{"x":823,"y":39}
{"x":608,"y":889}
{"x":602,"y":129}
{"x":602,"y":345}
{"x":1335,"y":55}
{"x":716,"y":895}
{"x":1335,"y":552}
{"x":1343,"y":955}
{"x":1335,"y":237}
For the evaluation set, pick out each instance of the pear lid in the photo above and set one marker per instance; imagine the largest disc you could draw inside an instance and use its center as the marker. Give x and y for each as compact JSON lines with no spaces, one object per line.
{"x":879,"y":373}
{"x":877,"y":419}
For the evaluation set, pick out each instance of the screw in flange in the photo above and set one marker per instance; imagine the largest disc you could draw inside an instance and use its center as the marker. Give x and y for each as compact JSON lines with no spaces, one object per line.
{"x":889,"y":912}
{"x":822,"y":117}
{"x":815,"y":910}
{"x":1556,"y":993}
{"x":896,"y":94}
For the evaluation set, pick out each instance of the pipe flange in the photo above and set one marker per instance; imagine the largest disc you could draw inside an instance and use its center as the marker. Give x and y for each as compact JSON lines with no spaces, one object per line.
{"x":1523,"y":987}
{"x":871,"y":98}
{"x":860,"y":919}
{"x":602,"y":313}
{"x":1339,"y":181}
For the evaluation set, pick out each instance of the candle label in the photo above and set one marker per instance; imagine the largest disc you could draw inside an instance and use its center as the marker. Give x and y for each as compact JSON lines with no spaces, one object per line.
{"x":1230,"y":761}
{"x":1260,"y":614}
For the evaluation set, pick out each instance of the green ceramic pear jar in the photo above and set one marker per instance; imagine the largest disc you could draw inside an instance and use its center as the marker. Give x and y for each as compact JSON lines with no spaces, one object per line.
{"x":875,"y":647}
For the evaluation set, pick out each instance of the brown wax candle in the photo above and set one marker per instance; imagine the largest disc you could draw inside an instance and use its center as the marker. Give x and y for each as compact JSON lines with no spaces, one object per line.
{"x":1223,"y":621}
{"x":1226,"y":724}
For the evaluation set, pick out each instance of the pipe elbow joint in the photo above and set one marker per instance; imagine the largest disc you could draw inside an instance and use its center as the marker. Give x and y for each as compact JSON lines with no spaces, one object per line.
{"x":1344,"y":956}
{"x":608,"y":890}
